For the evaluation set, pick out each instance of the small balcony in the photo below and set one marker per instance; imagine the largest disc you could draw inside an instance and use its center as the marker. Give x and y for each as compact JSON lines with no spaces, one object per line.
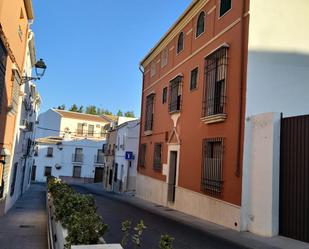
{"x":77,"y":158}
{"x":99,"y":159}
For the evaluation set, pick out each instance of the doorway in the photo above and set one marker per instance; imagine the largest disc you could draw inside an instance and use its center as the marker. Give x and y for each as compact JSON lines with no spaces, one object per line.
{"x":98,"y":174}
{"x":172,"y":176}
{"x":33,"y":173}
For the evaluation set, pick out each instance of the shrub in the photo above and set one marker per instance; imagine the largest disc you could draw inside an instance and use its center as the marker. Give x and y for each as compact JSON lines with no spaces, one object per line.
{"x":77,"y":213}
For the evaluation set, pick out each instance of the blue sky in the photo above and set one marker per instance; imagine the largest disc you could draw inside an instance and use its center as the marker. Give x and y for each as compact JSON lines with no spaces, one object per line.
{"x":93,"y":48}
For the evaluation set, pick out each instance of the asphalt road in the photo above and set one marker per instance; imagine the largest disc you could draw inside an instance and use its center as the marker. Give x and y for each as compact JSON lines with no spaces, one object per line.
{"x":115,"y":211}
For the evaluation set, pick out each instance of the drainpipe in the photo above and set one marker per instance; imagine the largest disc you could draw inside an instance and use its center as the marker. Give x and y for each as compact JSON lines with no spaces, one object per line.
{"x":242,"y":82}
{"x":140,"y":126}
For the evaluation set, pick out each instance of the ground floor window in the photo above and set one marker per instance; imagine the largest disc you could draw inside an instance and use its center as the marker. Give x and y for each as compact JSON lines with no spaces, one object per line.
{"x":157,"y":164}
{"x":14,"y":179}
{"x":77,"y":171}
{"x":212,"y":168}
{"x":48,"y":171}
{"x":142,"y":155}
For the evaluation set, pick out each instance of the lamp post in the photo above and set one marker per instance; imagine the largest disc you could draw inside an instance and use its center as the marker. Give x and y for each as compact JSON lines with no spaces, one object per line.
{"x":40,"y":68}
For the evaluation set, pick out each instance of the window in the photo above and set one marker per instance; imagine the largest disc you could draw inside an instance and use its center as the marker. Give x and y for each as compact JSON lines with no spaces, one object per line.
{"x":212,"y":171}
{"x":50,"y":152}
{"x":149,"y":112}
{"x":200,"y":27}
{"x":164,"y":95}
{"x":103,"y":132}
{"x":175,"y":94}
{"x":100,"y":157}
{"x":80,"y":129}
{"x":48,"y":171}
{"x":78,"y":156}
{"x":142,"y":155}
{"x":180,"y":42}
{"x":225,"y":6}
{"x":116,"y":172}
{"x":157,"y":164}
{"x":164,"y":57}
{"x":214,"y":91}
{"x":14,"y":179}
{"x":15,"y":92}
{"x":193,"y":81}
{"x":3,"y":58}
{"x":77,"y":171}
{"x":36,"y":151}
{"x":90,"y":130}
{"x":153,"y":69}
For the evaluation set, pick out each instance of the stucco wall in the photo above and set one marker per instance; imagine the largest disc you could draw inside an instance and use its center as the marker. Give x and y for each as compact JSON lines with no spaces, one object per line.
{"x":64,"y":158}
{"x":49,"y":124}
{"x":260,"y":196}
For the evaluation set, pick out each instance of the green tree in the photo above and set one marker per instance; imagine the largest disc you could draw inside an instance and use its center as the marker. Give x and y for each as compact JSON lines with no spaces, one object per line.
{"x":91,"y":109}
{"x":119,"y":113}
{"x":61,"y":107}
{"x":129,"y":114}
{"x":74,"y":108}
{"x":81,"y":109}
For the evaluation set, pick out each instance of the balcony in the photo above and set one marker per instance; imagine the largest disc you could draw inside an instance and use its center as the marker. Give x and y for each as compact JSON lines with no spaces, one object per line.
{"x":77,"y":158}
{"x":99,"y":159}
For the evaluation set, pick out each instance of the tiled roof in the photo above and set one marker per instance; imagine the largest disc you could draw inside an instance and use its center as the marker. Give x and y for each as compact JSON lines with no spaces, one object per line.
{"x":83,"y":116}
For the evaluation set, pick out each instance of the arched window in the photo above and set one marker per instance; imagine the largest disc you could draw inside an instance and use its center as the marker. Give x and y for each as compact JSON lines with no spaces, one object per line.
{"x":180,"y":43}
{"x":200,"y":27}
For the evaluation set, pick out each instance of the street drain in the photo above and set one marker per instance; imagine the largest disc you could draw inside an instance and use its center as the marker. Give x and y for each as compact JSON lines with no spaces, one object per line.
{"x":26,"y":226}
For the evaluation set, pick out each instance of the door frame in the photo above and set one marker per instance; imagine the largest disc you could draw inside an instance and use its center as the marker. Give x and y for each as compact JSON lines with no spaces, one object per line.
{"x":172,"y":148}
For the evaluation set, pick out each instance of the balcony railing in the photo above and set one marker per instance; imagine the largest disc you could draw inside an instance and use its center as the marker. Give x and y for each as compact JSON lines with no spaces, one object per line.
{"x":99,"y":159}
{"x":77,"y":158}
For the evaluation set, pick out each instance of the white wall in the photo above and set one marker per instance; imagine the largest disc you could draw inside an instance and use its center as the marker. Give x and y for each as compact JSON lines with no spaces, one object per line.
{"x":48,"y":120}
{"x":260,"y":195}
{"x":127,"y":140}
{"x":64,"y":158}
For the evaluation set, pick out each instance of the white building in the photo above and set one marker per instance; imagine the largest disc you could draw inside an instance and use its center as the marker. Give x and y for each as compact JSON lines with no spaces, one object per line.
{"x":78,"y":160}
{"x":126,"y":156}
{"x":277,"y":82}
{"x":28,"y":106}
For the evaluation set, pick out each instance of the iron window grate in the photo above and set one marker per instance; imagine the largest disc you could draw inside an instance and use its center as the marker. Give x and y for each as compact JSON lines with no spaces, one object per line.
{"x":157,"y":163}
{"x":212,"y":167}
{"x":149,"y":112}
{"x":175,"y":94}
{"x":142,"y":155}
{"x":214,"y":100}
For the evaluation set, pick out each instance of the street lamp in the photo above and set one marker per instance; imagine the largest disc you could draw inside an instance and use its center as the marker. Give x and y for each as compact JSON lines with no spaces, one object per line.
{"x":4,"y":154}
{"x":40,"y":68}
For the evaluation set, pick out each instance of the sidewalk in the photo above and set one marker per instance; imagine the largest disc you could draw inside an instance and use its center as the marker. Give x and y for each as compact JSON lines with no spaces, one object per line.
{"x":24,"y":226}
{"x":246,"y":239}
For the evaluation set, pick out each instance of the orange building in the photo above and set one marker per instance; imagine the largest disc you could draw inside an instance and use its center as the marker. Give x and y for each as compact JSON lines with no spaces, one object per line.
{"x":15,"y":19}
{"x":193,"y":107}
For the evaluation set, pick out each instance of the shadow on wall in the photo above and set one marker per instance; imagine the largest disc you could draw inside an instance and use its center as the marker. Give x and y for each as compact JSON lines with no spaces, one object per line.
{"x":277,"y":82}
{"x":3,"y":121}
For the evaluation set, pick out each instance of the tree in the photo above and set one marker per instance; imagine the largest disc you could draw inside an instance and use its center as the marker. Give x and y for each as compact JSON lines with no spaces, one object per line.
{"x":91,"y":109}
{"x":61,"y":107}
{"x":81,"y":109}
{"x":119,"y":113}
{"x":74,"y":108}
{"x":129,"y":114}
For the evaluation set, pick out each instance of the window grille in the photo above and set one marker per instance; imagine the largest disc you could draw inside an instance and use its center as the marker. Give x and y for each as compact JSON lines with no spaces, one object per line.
{"x":175,"y":94}
{"x":3,"y":58}
{"x":15,"y":92}
{"x":180,"y":42}
{"x":200,"y":27}
{"x":49,"y":152}
{"x":157,"y":164}
{"x":193,"y":82}
{"x":14,"y":179}
{"x":149,"y":112}
{"x":164,"y":95}
{"x":212,"y":168}
{"x":80,"y":129}
{"x":225,"y":6}
{"x":215,"y":86}
{"x":77,"y":171}
{"x":142,"y":155}
{"x":90,"y":130}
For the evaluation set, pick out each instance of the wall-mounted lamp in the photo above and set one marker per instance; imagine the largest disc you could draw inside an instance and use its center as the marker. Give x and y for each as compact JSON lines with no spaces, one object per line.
{"x":4,"y":155}
{"x":40,"y":68}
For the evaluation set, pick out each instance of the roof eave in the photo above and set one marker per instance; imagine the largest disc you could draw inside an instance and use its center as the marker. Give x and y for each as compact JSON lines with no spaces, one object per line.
{"x":29,"y":9}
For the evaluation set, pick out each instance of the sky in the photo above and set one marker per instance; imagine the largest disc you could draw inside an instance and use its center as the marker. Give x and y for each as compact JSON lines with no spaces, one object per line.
{"x":93,"y":48}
